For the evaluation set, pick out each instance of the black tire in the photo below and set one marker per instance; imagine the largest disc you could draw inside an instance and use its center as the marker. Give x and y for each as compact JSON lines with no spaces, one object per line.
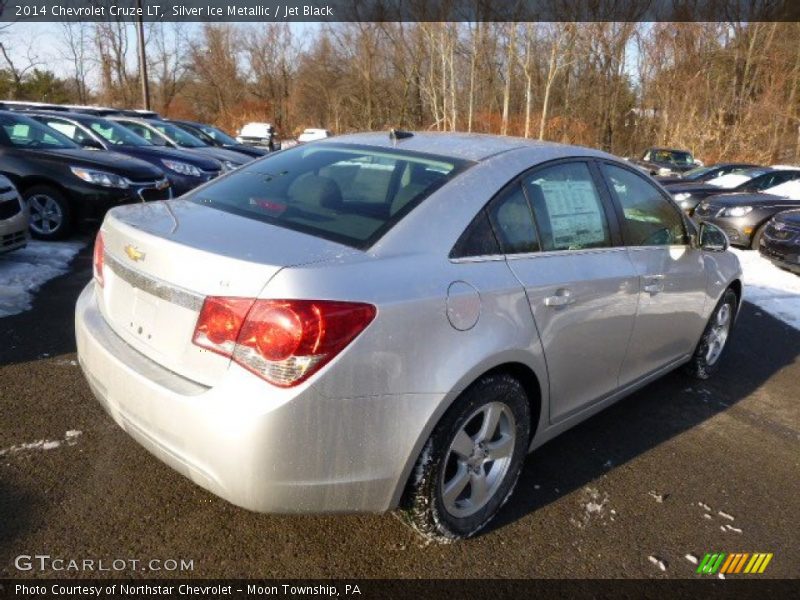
{"x":423,"y":506}
{"x":756,"y":239}
{"x":700,"y":367}
{"x":47,"y":225}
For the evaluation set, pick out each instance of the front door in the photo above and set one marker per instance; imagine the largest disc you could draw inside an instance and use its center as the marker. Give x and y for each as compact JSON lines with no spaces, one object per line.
{"x":672,"y":276}
{"x":581,"y":285}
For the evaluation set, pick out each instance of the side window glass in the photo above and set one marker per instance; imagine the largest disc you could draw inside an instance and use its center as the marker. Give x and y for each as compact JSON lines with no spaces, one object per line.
{"x":67,"y":129}
{"x":649,"y":218}
{"x":504,"y":226}
{"x":477,"y":240}
{"x":512,"y":222}
{"x":568,"y":208}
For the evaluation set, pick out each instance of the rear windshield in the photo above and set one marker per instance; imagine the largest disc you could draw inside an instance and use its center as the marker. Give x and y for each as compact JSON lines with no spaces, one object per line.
{"x":345,"y":193}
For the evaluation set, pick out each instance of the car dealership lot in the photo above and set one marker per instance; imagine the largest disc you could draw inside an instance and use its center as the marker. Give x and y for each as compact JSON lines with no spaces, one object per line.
{"x":676,"y":470}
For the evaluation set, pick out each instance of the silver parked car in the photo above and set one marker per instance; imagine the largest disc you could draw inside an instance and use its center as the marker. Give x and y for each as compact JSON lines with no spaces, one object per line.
{"x":13,"y":218}
{"x":375,"y":322}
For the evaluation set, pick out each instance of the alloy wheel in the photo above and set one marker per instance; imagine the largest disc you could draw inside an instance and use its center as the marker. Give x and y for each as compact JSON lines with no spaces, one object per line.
{"x":718,"y":333}
{"x":478,"y":459}
{"x":46,"y":216}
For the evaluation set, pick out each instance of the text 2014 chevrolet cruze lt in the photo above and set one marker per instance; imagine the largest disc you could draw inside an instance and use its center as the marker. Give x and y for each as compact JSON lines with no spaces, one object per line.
{"x":367,"y":323}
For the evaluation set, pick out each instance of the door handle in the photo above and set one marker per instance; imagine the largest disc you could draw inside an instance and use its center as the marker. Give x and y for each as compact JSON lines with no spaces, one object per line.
{"x":653,"y":284}
{"x":563,"y":297}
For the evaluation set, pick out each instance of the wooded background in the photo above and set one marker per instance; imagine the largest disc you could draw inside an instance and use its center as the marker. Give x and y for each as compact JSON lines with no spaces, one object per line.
{"x":723,"y":90}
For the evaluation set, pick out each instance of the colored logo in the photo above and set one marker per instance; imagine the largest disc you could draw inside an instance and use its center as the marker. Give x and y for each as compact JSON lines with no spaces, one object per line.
{"x":134,"y":253}
{"x":734,"y":563}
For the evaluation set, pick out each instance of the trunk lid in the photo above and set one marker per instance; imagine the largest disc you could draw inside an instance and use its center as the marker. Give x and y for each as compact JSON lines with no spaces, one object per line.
{"x":163,"y":258}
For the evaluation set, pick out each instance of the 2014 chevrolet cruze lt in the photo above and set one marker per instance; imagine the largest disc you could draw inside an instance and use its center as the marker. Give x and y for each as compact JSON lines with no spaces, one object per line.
{"x":369,"y":322}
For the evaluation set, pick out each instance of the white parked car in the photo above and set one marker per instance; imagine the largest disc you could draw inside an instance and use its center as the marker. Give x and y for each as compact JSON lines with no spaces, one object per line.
{"x":311,"y":135}
{"x":259,"y":134}
{"x":13,"y":217}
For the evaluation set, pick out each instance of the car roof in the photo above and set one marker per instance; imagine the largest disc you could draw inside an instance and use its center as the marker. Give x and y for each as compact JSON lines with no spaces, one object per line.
{"x":475,"y":147}
{"x":58,"y":114}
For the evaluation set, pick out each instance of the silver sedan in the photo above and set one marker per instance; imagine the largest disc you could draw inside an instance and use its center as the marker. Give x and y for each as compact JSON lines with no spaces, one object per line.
{"x":378,"y":322}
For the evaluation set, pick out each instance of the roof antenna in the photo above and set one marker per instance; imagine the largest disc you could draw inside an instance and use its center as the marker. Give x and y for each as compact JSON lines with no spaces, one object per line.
{"x":399,"y":134}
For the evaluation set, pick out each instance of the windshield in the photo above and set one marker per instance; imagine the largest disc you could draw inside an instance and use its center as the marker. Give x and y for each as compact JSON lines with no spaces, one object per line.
{"x":697,"y":173}
{"x":22,"y":132}
{"x":178,"y":135}
{"x":731,"y":180}
{"x":346,"y":193}
{"x":217,"y":134}
{"x":787,"y":189}
{"x":116,"y":134}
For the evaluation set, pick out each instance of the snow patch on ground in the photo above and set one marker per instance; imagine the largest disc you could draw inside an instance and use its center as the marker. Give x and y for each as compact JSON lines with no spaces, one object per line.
{"x":772,"y":289}
{"x":70,"y":439}
{"x":23,"y":272}
{"x":595,"y":507}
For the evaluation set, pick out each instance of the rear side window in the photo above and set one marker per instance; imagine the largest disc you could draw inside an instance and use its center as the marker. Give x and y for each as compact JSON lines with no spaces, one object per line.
{"x":504,"y":226}
{"x":346,"y":193}
{"x":568,"y":208}
{"x":512,"y":221}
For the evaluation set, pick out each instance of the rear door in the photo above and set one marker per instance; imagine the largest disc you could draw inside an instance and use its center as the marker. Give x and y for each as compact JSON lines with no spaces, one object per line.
{"x":671,"y":273}
{"x":580,"y":282}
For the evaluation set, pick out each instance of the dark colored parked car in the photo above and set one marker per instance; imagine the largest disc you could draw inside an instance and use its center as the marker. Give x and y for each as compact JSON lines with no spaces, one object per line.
{"x":163,"y":133}
{"x":63,"y":183}
{"x":754,"y":180}
{"x":185,"y":170}
{"x":744,"y":217}
{"x":216,"y":137}
{"x":701,"y":174}
{"x":781,"y":240}
{"x":664,"y":161}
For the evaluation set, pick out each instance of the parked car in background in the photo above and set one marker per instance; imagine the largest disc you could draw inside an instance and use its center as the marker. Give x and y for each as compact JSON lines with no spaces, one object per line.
{"x":311,"y":135}
{"x":666,"y":161}
{"x":781,"y":240}
{"x":185,"y":170}
{"x":259,"y":134}
{"x":13,"y":217}
{"x":701,"y":174}
{"x":744,"y":217}
{"x":216,"y":137}
{"x":568,"y":280}
{"x":62,"y":183}
{"x":753,"y":180}
{"x":164,"y":133}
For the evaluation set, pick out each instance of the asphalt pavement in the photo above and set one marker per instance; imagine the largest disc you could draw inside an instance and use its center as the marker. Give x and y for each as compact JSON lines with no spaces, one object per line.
{"x":676,"y":470}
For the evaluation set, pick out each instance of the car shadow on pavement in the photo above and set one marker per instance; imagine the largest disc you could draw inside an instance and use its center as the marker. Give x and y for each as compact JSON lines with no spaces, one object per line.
{"x":759,"y":347}
{"x":17,"y":512}
{"x":48,"y":329}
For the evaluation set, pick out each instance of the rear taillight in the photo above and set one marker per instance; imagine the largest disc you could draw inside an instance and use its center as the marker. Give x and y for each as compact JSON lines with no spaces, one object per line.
{"x":98,"y":258}
{"x":282,"y":341}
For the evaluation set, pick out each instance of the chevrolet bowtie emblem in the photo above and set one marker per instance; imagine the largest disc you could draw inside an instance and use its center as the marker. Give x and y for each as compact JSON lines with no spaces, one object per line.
{"x":162,"y":185}
{"x":134,"y":253}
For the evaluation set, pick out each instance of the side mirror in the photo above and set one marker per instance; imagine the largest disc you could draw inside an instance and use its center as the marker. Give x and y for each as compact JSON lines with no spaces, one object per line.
{"x":712,"y":238}
{"x":88,"y":142}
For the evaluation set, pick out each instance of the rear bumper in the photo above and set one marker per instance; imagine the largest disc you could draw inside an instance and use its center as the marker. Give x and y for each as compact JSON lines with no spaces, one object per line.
{"x":260,"y":447}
